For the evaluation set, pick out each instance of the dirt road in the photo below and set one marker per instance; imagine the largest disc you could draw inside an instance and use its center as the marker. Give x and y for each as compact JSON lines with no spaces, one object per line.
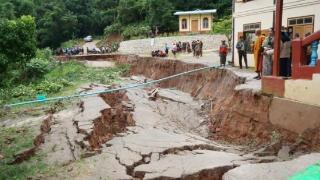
{"x":89,"y":45}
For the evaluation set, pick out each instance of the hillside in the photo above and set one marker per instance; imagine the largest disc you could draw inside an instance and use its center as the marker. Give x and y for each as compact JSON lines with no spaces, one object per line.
{"x":58,"y":21}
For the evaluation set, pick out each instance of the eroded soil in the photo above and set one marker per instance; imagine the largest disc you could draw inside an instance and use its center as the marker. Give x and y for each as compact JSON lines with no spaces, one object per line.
{"x":173,"y":130}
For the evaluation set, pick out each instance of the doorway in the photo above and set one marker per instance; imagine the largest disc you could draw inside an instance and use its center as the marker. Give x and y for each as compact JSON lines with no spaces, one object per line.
{"x":194,"y":25}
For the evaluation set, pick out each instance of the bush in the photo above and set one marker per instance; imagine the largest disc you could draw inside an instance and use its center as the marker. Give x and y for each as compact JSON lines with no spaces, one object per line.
{"x":47,"y":87}
{"x":37,"y":67}
{"x":23,"y":91}
{"x":135,"y":30}
{"x":113,"y":29}
{"x":45,"y":54}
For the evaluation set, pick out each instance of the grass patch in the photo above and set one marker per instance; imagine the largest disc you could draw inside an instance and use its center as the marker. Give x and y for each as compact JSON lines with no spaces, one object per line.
{"x":12,"y":141}
{"x":63,"y":79}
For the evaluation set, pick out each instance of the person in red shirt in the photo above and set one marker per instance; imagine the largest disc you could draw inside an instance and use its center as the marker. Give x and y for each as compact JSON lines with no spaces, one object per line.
{"x":223,"y":51}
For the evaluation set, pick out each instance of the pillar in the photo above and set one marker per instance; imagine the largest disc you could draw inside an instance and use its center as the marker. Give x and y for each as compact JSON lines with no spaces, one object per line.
{"x":278,"y":25}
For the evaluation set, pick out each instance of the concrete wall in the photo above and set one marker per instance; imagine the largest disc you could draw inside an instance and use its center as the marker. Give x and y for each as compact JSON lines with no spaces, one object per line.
{"x":143,"y":46}
{"x":262,"y":11}
{"x":294,"y":116}
{"x":306,"y":91}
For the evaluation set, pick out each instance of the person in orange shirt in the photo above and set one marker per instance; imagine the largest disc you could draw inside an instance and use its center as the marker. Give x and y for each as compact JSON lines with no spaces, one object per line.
{"x":223,"y":51}
{"x":257,"y":51}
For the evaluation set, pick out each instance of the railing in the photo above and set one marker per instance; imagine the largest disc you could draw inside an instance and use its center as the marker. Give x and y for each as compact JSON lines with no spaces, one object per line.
{"x":305,"y":61}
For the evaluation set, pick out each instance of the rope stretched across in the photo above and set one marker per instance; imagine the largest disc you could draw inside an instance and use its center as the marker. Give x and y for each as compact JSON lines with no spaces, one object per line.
{"x":130,"y":86}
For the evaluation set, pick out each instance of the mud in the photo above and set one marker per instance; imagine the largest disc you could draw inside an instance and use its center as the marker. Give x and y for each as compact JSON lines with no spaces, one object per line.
{"x":112,"y":121}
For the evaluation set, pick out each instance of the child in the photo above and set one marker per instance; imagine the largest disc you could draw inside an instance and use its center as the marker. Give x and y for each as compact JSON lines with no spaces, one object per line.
{"x":223,"y":51}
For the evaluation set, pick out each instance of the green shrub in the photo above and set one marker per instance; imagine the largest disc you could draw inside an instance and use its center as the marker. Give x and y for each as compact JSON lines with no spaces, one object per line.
{"x":135,"y":30}
{"x":113,"y":29}
{"x":47,"y":87}
{"x":37,"y":67}
{"x":45,"y":54}
{"x":22,"y":90}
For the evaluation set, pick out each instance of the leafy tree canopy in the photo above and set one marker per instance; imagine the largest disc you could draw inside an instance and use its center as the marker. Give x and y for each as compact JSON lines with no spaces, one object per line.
{"x":60,"y":20}
{"x":18,"y":43}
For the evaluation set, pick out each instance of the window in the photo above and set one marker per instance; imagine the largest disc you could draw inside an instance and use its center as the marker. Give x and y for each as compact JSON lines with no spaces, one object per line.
{"x":205,"y":23}
{"x":249,"y":31}
{"x":301,"y":25}
{"x":184,"y":24}
{"x":251,"y":27}
{"x":300,"y":21}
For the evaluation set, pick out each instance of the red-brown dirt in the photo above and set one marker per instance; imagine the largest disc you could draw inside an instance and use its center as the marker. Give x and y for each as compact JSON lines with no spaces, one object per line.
{"x":237,"y":116}
{"x":112,"y":121}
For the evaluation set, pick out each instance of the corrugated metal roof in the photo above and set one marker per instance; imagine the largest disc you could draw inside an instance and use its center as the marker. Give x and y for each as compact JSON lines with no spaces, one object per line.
{"x":198,"y":11}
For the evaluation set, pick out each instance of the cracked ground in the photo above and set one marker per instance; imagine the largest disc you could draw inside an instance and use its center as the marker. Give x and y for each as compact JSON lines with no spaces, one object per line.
{"x":148,"y":133}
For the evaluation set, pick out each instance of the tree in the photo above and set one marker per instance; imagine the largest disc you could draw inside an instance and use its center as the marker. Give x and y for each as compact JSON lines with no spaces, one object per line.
{"x":18,"y":43}
{"x":7,"y":11}
{"x":56,"y":26}
{"x":132,"y":11}
{"x":160,"y":14}
{"x":223,"y":26}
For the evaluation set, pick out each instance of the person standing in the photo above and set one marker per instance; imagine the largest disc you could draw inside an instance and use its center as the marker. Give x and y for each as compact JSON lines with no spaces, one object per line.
{"x":166,"y":49}
{"x":285,"y":53}
{"x":257,"y":50}
{"x":194,"y":48}
{"x":242,"y":52}
{"x":223,"y":51}
{"x":174,"y":49}
{"x":201,"y":46}
{"x":268,"y":54}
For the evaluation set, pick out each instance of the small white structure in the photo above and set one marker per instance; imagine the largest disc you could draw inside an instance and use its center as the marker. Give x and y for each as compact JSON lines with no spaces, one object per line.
{"x":300,"y":17}
{"x":198,"y":21}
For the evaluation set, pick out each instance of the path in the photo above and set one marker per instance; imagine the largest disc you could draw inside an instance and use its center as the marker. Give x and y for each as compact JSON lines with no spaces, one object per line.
{"x":211,"y":58}
{"x":89,"y":45}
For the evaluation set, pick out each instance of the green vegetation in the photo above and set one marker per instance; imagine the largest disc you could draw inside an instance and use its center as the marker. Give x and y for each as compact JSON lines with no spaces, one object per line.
{"x":59,"y":21}
{"x":72,"y":43}
{"x":17,"y":47}
{"x":61,"y":77}
{"x":13,"y":141}
{"x":224,"y":26}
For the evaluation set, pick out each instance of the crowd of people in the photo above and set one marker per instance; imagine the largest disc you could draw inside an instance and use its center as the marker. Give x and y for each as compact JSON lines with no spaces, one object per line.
{"x":195,"y":47}
{"x":70,"y":51}
{"x":263,"y":50}
{"x":80,"y":51}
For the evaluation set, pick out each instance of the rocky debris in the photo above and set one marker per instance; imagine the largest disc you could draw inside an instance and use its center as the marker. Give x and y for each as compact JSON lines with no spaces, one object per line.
{"x":284,"y":153}
{"x":271,"y":171}
{"x":153,"y":94}
{"x":138,"y":79}
{"x":24,"y":155}
{"x":197,"y":164}
{"x":1,"y":156}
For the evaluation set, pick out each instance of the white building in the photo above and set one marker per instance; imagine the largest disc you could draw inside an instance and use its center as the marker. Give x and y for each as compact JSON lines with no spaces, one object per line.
{"x":300,"y":16}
